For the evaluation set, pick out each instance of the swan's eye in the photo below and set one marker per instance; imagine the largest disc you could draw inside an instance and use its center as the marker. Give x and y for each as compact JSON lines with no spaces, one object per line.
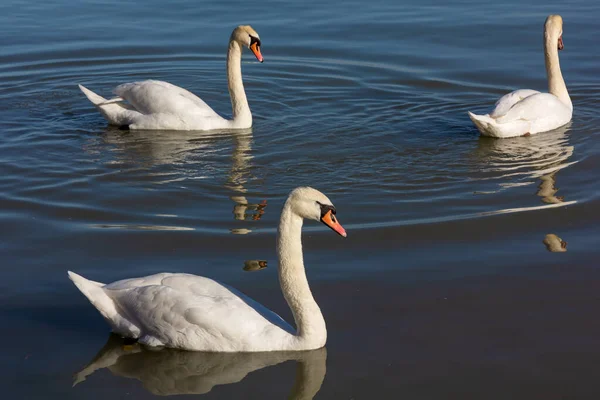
{"x":254,"y":40}
{"x":325,"y":208}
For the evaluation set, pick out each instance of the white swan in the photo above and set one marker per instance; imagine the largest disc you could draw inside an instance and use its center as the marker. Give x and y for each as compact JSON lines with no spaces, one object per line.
{"x":195,"y":313}
{"x":526,"y":111}
{"x":161,"y":105}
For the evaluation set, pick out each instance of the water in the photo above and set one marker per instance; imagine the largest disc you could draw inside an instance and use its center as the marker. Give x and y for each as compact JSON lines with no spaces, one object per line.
{"x":443,"y":288}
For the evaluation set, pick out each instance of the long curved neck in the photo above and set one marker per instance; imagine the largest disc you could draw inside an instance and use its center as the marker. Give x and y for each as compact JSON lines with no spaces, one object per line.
{"x":556,"y":83}
{"x":242,"y":118}
{"x":311,"y":330}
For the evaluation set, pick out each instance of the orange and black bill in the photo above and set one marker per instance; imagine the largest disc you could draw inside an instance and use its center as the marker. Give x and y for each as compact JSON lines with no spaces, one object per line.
{"x":255,"y":48}
{"x":561,"y":45}
{"x":328,"y":218}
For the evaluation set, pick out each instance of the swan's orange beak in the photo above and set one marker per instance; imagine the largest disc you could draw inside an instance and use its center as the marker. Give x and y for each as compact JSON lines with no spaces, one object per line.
{"x":331,"y":221}
{"x":256,"y":50}
{"x":560,"y":43}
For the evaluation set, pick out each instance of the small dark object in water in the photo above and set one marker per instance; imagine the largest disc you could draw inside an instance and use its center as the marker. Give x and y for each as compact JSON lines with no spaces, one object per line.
{"x":255,"y":265}
{"x":554,"y":244}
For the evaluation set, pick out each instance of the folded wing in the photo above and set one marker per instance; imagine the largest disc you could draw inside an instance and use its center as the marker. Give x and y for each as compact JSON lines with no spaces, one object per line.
{"x":158,"y":97}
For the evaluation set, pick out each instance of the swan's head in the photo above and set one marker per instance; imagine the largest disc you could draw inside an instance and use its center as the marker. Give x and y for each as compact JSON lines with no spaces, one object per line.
{"x":247,"y":37}
{"x":309,"y":203}
{"x":553,"y":30}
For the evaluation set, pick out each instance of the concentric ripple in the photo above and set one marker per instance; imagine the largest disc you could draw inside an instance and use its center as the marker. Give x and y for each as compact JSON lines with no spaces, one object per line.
{"x":382,"y":130}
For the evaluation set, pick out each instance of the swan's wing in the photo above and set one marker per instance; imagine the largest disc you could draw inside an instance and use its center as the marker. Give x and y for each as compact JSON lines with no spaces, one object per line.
{"x":200,"y":286}
{"x":158,"y":97}
{"x":507,"y":101}
{"x":535,"y":108}
{"x":189,"y":311}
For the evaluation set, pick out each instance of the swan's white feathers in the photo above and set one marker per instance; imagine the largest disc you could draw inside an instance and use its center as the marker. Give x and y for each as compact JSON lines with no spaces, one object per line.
{"x":155,"y":97}
{"x":303,"y":201}
{"x":157,"y":105}
{"x":191,"y":312}
{"x":195,"y":313}
{"x":96,"y":294}
{"x":116,"y":100}
{"x":525,"y":111}
{"x":163,"y":106}
{"x":506,"y":102}
{"x":116,"y":113}
{"x":541,"y":110}
{"x":538,"y":112}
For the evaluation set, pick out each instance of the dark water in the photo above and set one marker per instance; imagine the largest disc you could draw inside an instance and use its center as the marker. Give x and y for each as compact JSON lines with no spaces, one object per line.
{"x":444,"y":287}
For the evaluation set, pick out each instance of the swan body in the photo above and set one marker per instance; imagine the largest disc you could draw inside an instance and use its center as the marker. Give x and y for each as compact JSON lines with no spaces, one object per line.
{"x":195,"y":313}
{"x":151,"y":105}
{"x":526,"y":111}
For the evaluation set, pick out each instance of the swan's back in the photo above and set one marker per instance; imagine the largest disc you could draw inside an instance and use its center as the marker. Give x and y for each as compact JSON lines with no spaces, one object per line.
{"x":544,"y":111}
{"x":506,"y":102}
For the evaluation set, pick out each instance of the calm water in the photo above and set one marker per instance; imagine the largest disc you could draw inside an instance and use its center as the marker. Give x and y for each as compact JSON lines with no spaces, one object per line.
{"x":444,"y":287}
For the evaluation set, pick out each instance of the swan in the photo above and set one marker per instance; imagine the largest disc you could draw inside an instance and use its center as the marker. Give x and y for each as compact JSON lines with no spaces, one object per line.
{"x":151,"y":104}
{"x":191,"y":312}
{"x":524,"y":112}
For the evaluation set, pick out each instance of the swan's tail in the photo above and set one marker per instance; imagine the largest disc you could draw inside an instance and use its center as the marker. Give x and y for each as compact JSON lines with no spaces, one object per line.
{"x":95,"y":293}
{"x":93,"y":97}
{"x":114,"y":110}
{"x":481,"y":121}
{"x":488,"y":126}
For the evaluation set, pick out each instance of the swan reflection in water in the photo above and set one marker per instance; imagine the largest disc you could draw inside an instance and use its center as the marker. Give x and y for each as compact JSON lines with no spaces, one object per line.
{"x":520,"y":159}
{"x":547,"y":189}
{"x":192,"y":156}
{"x":170,"y":372}
{"x":541,"y":157}
{"x":554,"y":244}
{"x":238,"y":178}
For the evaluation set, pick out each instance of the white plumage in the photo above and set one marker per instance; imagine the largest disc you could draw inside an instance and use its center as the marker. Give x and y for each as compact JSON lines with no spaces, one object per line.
{"x":526,"y":111}
{"x":195,"y":313}
{"x":185,"y":311}
{"x":155,"y":104}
